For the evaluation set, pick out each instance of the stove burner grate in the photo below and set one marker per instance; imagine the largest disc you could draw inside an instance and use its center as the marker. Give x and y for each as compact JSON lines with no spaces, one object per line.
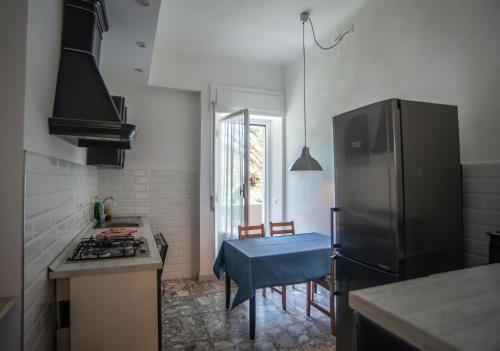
{"x":102,"y":248}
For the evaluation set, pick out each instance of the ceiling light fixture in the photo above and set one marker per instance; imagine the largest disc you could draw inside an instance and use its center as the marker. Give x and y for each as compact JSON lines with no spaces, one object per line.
{"x":140,"y":44}
{"x":143,"y":2}
{"x":140,"y":70}
{"x":306,"y":162}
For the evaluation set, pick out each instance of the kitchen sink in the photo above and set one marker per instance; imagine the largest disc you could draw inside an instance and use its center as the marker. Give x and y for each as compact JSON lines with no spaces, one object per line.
{"x":121,"y":222}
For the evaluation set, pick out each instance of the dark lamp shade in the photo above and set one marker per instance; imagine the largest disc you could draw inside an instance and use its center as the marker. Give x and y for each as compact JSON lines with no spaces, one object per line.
{"x":305,"y":162}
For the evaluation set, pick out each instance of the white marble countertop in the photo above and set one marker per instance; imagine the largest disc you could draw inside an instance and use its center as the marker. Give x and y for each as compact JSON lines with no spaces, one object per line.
{"x":61,"y":268}
{"x":457,"y":310}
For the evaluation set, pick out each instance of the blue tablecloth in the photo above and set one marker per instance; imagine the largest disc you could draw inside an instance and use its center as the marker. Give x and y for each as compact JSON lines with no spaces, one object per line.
{"x":273,"y":261}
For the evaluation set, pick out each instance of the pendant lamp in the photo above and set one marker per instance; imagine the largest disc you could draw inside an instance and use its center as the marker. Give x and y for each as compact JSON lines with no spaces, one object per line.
{"x":305,"y":162}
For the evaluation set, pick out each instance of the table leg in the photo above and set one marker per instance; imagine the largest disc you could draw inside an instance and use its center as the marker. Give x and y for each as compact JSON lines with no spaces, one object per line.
{"x":228,"y":291}
{"x":252,"y":317}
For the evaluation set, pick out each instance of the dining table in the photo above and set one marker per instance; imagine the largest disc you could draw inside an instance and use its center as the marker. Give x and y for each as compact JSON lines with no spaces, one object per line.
{"x":271,"y":261}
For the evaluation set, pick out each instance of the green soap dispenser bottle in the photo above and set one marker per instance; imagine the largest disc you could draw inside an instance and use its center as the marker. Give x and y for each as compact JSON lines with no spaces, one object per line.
{"x":97,"y":209}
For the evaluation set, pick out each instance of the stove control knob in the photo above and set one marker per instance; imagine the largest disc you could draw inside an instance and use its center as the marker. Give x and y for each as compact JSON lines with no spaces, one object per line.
{"x":142,"y":248}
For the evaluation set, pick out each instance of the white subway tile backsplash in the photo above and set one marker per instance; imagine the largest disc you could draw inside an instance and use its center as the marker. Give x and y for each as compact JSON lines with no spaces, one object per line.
{"x":145,"y":195}
{"x":121,"y":196}
{"x":473,"y":201}
{"x":53,"y":189}
{"x":123,"y":211}
{"x":492,"y":202}
{"x":481,"y":187}
{"x":170,"y":200}
{"x":134,"y":172}
{"x":476,"y":247}
{"x":144,"y":180}
{"x":133,"y":187}
{"x":157,"y":187}
{"x":132,"y":203}
{"x":110,"y":187}
{"x":484,"y":217}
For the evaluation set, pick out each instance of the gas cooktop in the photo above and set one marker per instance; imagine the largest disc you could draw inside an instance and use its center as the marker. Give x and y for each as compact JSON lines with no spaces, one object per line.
{"x":108,"y":247}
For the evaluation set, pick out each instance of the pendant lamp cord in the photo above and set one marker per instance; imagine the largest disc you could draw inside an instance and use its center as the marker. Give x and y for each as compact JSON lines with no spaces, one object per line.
{"x":337,"y":41}
{"x":304,"y":57}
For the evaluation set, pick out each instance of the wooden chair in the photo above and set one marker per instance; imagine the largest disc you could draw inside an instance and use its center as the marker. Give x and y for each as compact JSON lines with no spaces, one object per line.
{"x":328,"y":283}
{"x":252,"y":231}
{"x":282,"y":228}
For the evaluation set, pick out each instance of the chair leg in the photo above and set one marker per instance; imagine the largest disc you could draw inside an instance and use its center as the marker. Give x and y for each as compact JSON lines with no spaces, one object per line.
{"x":283,"y":297}
{"x":308,"y":295}
{"x":264,"y":292}
{"x":315,"y":287}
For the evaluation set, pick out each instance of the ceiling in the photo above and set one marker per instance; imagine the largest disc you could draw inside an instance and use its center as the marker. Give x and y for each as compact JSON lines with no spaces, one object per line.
{"x":265,"y":31}
{"x":129,"y":23}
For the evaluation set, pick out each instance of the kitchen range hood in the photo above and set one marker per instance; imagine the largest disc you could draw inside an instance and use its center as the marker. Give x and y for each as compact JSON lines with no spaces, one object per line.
{"x":85,"y":113}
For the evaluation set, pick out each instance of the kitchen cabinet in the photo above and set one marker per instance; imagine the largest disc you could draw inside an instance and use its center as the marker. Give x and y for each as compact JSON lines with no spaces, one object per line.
{"x":458,"y":310}
{"x":109,"y":304}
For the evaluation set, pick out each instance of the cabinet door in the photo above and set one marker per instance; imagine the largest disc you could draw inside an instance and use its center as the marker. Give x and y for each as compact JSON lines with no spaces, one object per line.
{"x":371,"y":337}
{"x":352,"y":275}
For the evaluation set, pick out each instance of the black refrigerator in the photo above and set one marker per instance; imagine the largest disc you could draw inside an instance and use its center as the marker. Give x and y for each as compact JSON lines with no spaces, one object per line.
{"x":397,"y":198}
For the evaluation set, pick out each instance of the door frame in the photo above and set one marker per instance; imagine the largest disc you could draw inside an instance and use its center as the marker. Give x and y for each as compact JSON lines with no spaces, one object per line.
{"x":267,"y":168}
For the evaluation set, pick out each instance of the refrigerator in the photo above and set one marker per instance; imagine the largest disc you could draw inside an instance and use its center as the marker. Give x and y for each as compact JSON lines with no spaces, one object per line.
{"x":397,"y":198}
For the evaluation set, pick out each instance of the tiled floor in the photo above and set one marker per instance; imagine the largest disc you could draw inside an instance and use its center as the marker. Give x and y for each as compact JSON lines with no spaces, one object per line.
{"x":195,"y":318}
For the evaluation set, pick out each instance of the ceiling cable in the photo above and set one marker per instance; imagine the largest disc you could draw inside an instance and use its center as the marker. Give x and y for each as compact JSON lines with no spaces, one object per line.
{"x":337,"y":41}
{"x":304,"y":58}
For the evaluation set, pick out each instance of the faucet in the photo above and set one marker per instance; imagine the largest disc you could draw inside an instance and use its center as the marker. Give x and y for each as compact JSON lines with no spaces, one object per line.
{"x":104,"y":205}
{"x":108,"y":198}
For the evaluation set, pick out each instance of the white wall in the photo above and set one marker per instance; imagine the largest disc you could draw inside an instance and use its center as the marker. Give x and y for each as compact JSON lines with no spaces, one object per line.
{"x":167,"y":124}
{"x":443,"y":51}
{"x":13,"y":27}
{"x":196,"y":73}
{"x":160,"y":179}
{"x":42,"y":64}
{"x":277,"y":170}
{"x":53,"y":186}
{"x":190,"y":72}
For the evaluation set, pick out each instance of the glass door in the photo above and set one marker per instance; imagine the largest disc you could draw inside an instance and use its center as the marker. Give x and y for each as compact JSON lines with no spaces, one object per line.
{"x":257,"y":174}
{"x":232,"y":193}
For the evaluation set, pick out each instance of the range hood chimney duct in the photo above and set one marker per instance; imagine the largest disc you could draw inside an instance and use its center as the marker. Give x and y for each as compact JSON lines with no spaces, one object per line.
{"x":84,"y":111}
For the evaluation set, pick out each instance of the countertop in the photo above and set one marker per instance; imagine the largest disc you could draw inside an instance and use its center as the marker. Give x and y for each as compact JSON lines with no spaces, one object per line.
{"x":458,"y":310}
{"x":61,"y":268}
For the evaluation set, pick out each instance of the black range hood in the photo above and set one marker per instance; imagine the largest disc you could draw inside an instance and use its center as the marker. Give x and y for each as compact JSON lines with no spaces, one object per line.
{"x":85,"y":113}
{"x":99,"y":153}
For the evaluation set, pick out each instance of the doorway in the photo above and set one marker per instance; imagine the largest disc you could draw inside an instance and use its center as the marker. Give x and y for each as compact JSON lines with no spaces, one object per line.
{"x":257,"y":177}
{"x":243,"y":173}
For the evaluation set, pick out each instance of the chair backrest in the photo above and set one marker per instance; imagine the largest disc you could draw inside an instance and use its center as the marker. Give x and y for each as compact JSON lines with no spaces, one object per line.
{"x":252,"y":231}
{"x":282,"y":228}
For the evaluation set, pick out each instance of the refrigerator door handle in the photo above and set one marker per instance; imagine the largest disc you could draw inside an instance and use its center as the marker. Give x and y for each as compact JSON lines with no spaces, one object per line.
{"x":333,"y":227}
{"x":333,"y":281}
